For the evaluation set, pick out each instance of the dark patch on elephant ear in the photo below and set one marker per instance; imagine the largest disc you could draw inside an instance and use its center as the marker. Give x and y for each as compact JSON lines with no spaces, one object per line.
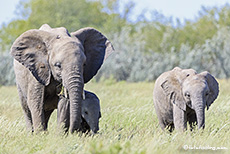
{"x":96,"y":48}
{"x":30,"y":50}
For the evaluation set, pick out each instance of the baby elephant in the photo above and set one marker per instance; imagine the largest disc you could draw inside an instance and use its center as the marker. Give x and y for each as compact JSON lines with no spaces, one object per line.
{"x":181,"y":95}
{"x":90,"y":113}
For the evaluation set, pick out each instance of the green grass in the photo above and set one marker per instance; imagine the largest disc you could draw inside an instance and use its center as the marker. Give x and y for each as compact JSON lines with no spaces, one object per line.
{"x":128,"y":125}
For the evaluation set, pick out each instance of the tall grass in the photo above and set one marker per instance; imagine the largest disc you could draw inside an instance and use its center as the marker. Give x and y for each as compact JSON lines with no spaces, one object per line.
{"x":128,"y":125}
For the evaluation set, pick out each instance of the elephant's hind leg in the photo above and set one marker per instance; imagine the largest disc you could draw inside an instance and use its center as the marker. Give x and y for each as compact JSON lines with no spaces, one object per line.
{"x":170,"y":127}
{"x":164,"y":118}
{"x":165,"y":125}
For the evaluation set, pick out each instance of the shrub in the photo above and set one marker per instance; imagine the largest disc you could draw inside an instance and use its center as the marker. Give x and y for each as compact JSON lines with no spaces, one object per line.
{"x":132,"y":63}
{"x":7,"y":76}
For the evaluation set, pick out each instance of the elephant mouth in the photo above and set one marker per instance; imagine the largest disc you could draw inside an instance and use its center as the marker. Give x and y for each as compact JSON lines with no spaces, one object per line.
{"x":189,"y":104}
{"x":84,"y":125}
{"x":64,"y":92}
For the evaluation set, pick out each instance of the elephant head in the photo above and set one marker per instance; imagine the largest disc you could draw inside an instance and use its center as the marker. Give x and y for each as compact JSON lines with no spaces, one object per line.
{"x":90,"y":113}
{"x":71,"y":59}
{"x":185,"y":88}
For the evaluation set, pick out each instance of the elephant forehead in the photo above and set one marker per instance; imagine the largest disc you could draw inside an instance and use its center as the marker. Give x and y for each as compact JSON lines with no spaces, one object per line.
{"x":61,"y":31}
{"x":67,"y":44}
{"x":194,"y":81}
{"x":90,"y":105}
{"x":189,"y":72}
{"x":195,"y":78}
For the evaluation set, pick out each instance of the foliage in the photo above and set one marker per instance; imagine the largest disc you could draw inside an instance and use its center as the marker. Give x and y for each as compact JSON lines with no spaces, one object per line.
{"x":73,"y":14}
{"x":70,"y":14}
{"x":128,"y":125}
{"x":7,"y":76}
{"x":131,"y":64}
{"x":8,"y":33}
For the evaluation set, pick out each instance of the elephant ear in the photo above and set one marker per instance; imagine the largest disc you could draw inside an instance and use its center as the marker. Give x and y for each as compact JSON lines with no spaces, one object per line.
{"x":213,"y":87}
{"x":30,"y":50}
{"x":172,"y":88}
{"x":96,"y":48}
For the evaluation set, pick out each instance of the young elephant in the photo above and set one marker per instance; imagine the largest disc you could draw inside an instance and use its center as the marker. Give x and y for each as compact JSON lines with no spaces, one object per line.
{"x":90,"y":113}
{"x":181,"y":95}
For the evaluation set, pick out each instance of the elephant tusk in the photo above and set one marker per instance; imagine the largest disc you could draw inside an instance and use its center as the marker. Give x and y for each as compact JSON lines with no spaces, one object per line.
{"x":65,"y":93}
{"x":83,"y":95}
{"x":61,"y":93}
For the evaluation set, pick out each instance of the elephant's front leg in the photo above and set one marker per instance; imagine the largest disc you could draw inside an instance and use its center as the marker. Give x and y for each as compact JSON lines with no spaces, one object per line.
{"x":36,"y":105}
{"x":26,"y":110}
{"x":27,"y":116}
{"x":179,"y":118}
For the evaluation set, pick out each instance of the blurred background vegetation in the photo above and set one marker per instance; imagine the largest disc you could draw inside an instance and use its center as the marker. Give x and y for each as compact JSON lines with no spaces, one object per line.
{"x":145,"y":47}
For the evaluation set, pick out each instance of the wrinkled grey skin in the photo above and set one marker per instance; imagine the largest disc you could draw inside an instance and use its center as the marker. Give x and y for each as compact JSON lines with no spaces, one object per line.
{"x":47,"y":57}
{"x":90,"y":113}
{"x":181,"y":95}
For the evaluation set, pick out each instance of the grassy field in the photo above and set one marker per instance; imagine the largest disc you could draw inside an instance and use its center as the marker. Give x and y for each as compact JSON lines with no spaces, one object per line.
{"x":128,"y":125}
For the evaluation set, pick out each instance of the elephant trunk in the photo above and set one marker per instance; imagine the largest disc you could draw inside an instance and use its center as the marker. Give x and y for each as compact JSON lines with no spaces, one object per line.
{"x":74,"y":85}
{"x":200,"y":114}
{"x":94,"y":127}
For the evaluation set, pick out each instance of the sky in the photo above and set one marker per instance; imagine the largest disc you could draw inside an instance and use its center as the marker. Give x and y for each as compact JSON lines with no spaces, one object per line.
{"x":181,"y":9}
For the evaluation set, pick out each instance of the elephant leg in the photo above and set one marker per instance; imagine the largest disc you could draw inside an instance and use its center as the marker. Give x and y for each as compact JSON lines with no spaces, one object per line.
{"x":179,"y":118}
{"x":192,"y":120}
{"x":47,"y":117}
{"x":36,"y":105}
{"x":164,"y":120}
{"x":26,"y":110}
{"x":27,"y":115}
{"x":63,"y":114}
{"x":28,"y":118}
{"x":170,"y":127}
{"x":165,"y":125}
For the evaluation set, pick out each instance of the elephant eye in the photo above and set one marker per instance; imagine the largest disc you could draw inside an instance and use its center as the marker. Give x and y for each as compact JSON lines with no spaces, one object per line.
{"x":207,"y":94}
{"x":57,"y":64}
{"x":86,"y":112}
{"x":187,"y":95}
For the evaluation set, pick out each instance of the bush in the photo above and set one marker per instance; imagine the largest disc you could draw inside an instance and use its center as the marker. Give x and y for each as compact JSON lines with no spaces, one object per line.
{"x":132,"y":63}
{"x":7,"y":76}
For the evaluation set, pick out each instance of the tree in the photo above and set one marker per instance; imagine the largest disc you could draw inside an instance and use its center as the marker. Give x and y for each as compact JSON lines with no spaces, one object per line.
{"x":57,"y":13}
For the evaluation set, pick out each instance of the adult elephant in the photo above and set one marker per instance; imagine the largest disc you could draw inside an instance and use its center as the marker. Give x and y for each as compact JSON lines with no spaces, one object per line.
{"x":48,"y":57}
{"x":181,"y":95}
